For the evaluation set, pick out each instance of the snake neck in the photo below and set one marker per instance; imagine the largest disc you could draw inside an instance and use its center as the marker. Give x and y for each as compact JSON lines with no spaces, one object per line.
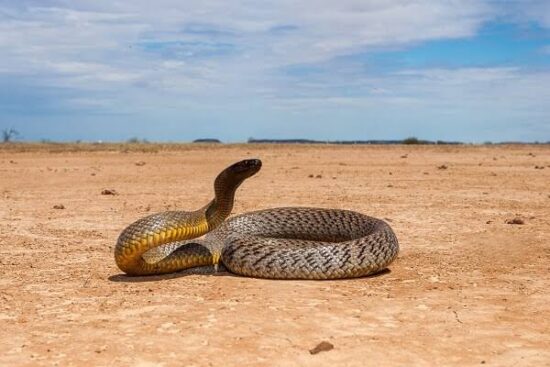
{"x":221,"y":206}
{"x":215,"y":213}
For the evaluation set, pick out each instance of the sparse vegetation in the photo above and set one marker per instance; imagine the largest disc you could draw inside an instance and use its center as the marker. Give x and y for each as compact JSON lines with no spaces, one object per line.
{"x":9,"y":135}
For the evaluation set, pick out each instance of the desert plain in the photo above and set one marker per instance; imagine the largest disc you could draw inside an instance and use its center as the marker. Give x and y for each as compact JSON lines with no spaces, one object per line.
{"x":470,"y":286}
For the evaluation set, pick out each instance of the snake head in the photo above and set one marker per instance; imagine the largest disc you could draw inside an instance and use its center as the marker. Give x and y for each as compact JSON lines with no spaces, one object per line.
{"x":231,"y":177}
{"x":244,"y":169}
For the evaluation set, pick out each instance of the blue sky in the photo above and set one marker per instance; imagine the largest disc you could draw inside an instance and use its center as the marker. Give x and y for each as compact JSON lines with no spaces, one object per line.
{"x":174,"y":70}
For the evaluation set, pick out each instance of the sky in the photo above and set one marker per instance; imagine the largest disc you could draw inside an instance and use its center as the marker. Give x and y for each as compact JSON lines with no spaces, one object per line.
{"x":172,"y":70}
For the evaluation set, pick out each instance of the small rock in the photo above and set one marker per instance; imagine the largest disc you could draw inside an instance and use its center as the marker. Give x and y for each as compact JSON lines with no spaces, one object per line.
{"x":109,"y":192}
{"x":442,"y":167}
{"x":140,"y":163}
{"x":101,"y":349}
{"x":321,"y":347}
{"x":404,"y":156}
{"x":59,"y":206}
{"x":319,"y":176}
{"x":310,"y":176}
{"x":516,"y":220}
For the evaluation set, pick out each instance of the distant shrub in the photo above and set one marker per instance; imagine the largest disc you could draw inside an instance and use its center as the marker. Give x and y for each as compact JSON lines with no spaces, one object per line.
{"x":135,"y":140}
{"x":411,"y":140}
{"x":9,"y":135}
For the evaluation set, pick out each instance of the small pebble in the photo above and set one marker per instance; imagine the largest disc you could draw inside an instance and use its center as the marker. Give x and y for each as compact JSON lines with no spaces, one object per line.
{"x":321,"y":347}
{"x":516,"y":220}
{"x":109,"y":192}
{"x":442,"y":167}
{"x":140,"y":163}
{"x":59,"y":206}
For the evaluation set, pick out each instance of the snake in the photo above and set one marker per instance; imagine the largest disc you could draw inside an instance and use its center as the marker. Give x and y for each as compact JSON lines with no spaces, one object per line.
{"x":276,"y":243}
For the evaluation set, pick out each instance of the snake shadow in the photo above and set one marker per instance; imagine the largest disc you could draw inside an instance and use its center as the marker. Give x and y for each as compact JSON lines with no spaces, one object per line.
{"x":123,"y":278}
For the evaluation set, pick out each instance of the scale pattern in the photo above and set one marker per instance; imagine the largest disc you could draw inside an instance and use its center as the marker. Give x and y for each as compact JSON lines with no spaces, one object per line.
{"x":304,"y":243}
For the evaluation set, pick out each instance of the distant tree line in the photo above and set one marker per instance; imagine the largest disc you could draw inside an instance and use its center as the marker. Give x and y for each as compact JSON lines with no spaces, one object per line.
{"x":207,"y":140}
{"x":409,"y":141}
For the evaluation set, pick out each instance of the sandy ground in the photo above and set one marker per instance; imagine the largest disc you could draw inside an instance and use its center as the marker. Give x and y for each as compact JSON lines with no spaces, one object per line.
{"x":467,"y":289}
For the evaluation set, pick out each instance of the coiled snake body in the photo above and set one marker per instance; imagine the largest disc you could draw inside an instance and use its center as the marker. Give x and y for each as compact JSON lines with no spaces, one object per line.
{"x":279,"y":243}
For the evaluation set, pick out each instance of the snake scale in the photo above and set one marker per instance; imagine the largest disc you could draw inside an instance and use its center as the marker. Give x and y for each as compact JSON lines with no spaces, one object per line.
{"x":279,"y":243}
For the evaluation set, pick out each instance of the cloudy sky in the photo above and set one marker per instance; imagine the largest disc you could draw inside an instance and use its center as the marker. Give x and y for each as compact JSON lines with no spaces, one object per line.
{"x":471,"y":70}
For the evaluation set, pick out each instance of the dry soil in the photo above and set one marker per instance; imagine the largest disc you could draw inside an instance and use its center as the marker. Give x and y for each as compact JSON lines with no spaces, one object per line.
{"x":467,"y":288}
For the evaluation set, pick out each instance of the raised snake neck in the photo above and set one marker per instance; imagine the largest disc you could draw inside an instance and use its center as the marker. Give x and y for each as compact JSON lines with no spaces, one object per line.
{"x":283,"y":243}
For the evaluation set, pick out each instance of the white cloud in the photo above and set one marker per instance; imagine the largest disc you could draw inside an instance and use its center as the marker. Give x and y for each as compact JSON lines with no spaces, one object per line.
{"x":132,"y":56}
{"x":528,"y":11}
{"x":38,"y":36}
